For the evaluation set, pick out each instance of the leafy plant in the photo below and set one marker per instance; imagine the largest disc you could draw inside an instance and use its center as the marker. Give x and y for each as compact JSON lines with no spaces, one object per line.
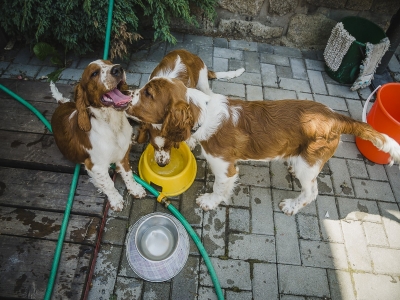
{"x":42,"y":51}
{"x":80,"y":25}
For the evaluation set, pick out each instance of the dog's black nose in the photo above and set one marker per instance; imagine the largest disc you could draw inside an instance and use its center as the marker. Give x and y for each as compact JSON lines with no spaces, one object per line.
{"x":162,"y":164}
{"x":117,"y":71}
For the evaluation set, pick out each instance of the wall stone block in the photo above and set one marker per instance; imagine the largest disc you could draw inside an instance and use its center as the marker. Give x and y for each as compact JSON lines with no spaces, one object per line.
{"x":328,"y":3}
{"x":248,"y":29}
{"x":359,"y":4}
{"x":244,"y":7}
{"x":282,"y":7}
{"x":310,"y":30}
{"x":385,"y":6}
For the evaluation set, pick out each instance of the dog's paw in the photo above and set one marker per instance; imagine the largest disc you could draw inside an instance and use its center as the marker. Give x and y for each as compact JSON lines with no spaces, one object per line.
{"x":209,"y":201}
{"x":289,"y":207}
{"x":137,"y":191}
{"x":116,"y":202}
{"x":191,"y":142}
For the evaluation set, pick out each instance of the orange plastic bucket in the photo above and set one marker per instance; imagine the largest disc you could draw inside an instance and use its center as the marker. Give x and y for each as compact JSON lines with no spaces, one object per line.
{"x":384,"y":117}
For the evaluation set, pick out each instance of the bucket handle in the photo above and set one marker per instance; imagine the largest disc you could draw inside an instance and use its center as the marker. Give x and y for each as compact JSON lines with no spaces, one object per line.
{"x":364,"y":112}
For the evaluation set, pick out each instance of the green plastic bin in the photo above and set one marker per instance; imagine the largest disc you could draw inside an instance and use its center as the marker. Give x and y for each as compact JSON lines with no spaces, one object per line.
{"x":363,"y":31}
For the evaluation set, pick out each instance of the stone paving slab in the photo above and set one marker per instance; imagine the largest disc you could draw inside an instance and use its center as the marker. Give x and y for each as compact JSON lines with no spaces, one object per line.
{"x":345,"y":245}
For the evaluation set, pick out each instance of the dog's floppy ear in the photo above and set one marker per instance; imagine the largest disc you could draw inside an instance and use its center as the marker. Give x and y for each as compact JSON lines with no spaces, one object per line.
{"x":178,"y":122}
{"x":81,"y":106}
{"x":142,"y":134}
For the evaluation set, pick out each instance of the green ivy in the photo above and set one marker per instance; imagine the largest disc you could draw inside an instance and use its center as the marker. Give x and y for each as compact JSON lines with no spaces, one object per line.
{"x":80,"y":25}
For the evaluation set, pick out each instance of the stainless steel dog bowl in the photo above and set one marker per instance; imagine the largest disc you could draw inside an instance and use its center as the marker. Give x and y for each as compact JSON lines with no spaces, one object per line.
{"x":156,"y":238}
{"x":157,"y":247}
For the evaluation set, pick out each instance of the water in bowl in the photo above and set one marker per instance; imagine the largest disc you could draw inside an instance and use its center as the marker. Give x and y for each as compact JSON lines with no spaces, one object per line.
{"x":176,"y":165}
{"x":157,"y":243}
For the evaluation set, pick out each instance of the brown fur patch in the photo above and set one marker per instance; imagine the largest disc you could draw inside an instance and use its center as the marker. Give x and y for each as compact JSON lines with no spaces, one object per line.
{"x":156,"y":97}
{"x":125,"y":161}
{"x":70,"y":139}
{"x":143,"y":133}
{"x":211,"y":75}
{"x":178,"y":122}
{"x":148,"y":133}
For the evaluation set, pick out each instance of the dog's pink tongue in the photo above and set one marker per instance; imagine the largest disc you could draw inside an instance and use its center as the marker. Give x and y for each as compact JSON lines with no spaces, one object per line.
{"x":117,"y":97}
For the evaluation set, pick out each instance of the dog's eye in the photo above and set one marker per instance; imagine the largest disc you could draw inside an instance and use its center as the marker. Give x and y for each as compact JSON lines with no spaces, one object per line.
{"x":94,"y":74}
{"x":146,"y":93}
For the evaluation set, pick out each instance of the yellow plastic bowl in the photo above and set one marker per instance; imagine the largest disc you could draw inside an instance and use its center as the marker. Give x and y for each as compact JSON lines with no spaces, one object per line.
{"x":174,"y":178}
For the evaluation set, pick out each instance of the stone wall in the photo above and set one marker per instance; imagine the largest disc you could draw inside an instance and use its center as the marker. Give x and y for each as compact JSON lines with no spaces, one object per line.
{"x":297,"y":23}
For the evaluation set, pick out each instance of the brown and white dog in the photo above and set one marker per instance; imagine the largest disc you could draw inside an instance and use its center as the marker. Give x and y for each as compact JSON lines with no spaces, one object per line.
{"x":304,"y":133}
{"x":94,"y":130}
{"x":193,"y":72}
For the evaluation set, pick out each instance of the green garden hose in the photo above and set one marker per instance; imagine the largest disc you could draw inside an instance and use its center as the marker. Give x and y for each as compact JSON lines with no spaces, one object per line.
{"x":162,"y":199}
{"x":108,"y":29}
{"x":63,"y":230}
{"x":64,"y":224}
{"x":202,"y":250}
{"x":28,"y":105}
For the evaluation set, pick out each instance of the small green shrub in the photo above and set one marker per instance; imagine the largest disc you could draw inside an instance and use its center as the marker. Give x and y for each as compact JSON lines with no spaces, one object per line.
{"x":42,"y":51}
{"x":80,"y":25}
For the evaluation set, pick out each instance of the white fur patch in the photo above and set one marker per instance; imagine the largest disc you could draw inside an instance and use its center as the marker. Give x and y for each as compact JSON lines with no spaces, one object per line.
{"x":72,"y":115}
{"x":179,"y":67}
{"x":212,"y":115}
{"x":307,"y":175}
{"x":202,"y":83}
{"x":157,"y":126}
{"x":162,"y":157}
{"x":110,"y":136}
{"x":392,"y":147}
{"x":159,"y":141}
{"x":56,"y":94}
{"x":191,"y":142}
{"x":223,"y":185}
{"x":229,"y":74}
{"x":105,"y":69}
{"x":135,"y":97}
{"x":235,"y":114}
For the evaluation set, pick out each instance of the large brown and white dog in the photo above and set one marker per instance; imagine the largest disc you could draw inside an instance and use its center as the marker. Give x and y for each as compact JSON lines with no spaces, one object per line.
{"x":94,"y":130}
{"x":304,"y":133}
{"x":193,"y":72}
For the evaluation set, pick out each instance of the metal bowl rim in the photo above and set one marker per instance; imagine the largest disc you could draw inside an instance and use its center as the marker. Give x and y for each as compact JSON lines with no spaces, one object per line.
{"x":176,"y":235}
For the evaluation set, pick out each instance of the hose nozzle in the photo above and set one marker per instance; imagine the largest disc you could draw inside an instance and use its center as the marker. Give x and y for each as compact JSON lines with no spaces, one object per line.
{"x":163,"y":199}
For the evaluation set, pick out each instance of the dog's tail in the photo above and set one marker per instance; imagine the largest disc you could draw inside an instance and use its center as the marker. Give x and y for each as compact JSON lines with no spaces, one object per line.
{"x":225,"y":75}
{"x":380,"y":140}
{"x":56,"y":94}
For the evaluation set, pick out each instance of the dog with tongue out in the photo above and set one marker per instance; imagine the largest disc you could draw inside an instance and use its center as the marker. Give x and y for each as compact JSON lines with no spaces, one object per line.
{"x":94,"y":131}
{"x":116,"y":99}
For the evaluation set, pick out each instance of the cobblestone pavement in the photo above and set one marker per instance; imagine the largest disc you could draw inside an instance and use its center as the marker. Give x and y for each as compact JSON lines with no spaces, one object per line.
{"x":345,"y":245}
